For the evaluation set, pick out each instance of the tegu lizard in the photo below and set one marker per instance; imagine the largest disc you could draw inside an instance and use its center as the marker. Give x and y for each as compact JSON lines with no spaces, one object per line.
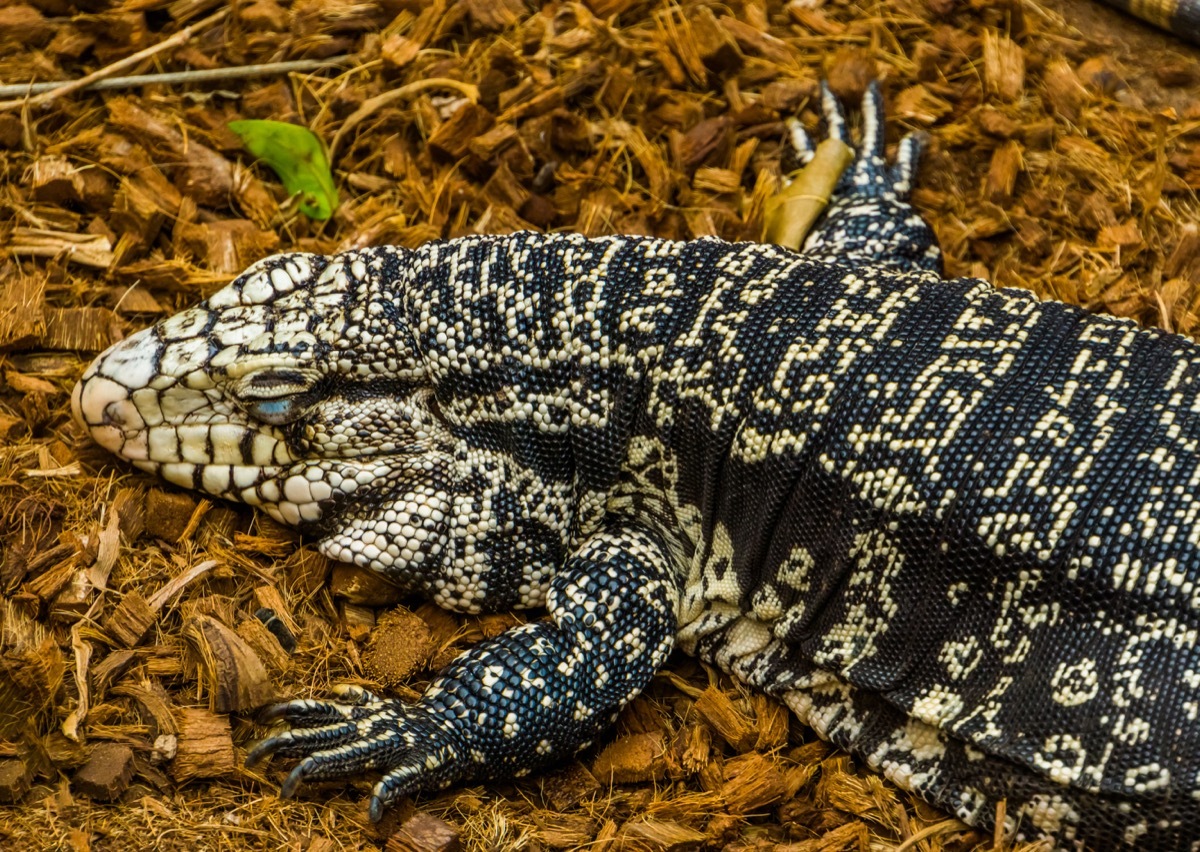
{"x":955,"y":529}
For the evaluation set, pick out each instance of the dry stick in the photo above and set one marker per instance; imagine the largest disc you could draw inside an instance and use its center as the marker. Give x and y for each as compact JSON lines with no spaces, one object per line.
{"x":120,"y":65}
{"x":205,"y":75}
{"x":160,"y":598}
{"x":943,"y":827}
{"x":83,"y":657}
{"x":379,"y":101}
{"x":790,"y":214}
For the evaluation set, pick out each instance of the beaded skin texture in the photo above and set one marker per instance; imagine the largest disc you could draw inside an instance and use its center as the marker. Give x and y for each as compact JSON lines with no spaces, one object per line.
{"x":952,"y":527}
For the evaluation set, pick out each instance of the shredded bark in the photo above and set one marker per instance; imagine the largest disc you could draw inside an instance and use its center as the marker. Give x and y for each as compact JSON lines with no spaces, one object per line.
{"x":142,"y":627}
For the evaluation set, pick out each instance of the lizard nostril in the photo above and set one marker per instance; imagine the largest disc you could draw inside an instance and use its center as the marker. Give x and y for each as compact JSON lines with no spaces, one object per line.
{"x":113,"y":415}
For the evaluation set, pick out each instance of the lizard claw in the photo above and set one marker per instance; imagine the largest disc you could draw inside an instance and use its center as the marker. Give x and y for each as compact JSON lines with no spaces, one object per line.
{"x":390,"y":787}
{"x":835,"y":117}
{"x":802,"y":149}
{"x":908,"y":157}
{"x":290,"y":784}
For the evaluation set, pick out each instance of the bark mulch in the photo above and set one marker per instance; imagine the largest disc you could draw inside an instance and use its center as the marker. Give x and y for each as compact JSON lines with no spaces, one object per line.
{"x":132,"y":660}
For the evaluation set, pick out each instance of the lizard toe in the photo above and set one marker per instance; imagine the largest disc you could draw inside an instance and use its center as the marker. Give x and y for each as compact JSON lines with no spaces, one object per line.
{"x":908,"y":157}
{"x":311,"y":713}
{"x":835,"y":116}
{"x":399,"y":782}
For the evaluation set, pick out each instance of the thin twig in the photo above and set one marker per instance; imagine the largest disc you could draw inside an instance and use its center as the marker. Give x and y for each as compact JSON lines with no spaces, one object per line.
{"x":944,"y":827}
{"x":120,"y":65}
{"x":168,"y":78}
{"x":163,"y":596}
{"x":370,"y":105}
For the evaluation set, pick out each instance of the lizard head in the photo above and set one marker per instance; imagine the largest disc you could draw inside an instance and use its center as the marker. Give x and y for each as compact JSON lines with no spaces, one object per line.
{"x":295,"y":388}
{"x":354,"y":396}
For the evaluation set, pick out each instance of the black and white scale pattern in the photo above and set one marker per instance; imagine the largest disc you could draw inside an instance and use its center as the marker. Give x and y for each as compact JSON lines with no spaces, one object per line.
{"x":955,"y":529}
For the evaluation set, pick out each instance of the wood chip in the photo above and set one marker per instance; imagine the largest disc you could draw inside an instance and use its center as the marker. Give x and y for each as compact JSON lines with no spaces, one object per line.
{"x":849,"y":71}
{"x":269,"y":597}
{"x":691,"y":750}
{"x":1064,"y":91}
{"x":495,"y":14}
{"x":362,"y":586}
{"x":423,"y":832}
{"x":1003,"y":66}
{"x":205,"y":745}
{"x":563,"y":787}
{"x":28,"y":384}
{"x":80,"y":329}
{"x":638,"y":757}
{"x":168,"y":513}
{"x":1006,"y":165}
{"x":201,"y":172}
{"x":564,"y":831}
{"x":155,"y":702}
{"x":265,"y":644}
{"x":717,"y":47}
{"x":15,"y":777}
{"x":22,"y":309}
{"x":233,"y":676}
{"x":774,"y":720}
{"x":453,"y":138}
{"x":225,"y":247}
{"x":752,"y":783}
{"x":398,"y":51}
{"x":358,"y":621}
{"x":107,"y":773}
{"x":715,"y":707}
{"x":400,"y":644}
{"x":660,"y":834}
{"x":850,"y":837}
{"x":93,"y":250}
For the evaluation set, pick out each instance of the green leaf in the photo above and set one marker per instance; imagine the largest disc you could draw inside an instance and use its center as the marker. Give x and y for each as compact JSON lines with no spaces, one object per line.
{"x":298,"y":157}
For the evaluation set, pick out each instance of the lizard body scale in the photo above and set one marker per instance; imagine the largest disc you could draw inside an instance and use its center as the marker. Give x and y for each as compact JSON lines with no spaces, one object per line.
{"x":953,"y":528}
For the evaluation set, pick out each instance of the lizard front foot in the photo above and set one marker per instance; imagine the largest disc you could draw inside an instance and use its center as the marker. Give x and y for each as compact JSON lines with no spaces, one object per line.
{"x":518,"y":701}
{"x":414,"y":746}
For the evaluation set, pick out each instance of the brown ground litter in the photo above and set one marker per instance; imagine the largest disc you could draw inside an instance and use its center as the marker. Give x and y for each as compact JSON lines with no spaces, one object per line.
{"x":1064,"y":160}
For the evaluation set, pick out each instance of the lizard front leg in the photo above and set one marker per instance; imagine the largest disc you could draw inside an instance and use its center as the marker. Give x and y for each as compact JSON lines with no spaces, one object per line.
{"x":528,"y":697}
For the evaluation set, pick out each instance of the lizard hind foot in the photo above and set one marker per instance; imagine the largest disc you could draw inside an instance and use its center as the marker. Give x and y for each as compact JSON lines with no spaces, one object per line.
{"x":869,"y":221}
{"x":870,"y":175}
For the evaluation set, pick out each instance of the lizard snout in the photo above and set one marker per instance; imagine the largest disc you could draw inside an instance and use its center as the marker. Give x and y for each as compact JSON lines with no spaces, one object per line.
{"x":104,"y":408}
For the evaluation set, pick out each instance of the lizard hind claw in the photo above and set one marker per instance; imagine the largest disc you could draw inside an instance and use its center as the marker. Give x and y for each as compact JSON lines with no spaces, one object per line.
{"x":908,"y":158}
{"x":376,"y":808}
{"x":261,"y":751}
{"x":400,"y":781}
{"x":835,"y":116}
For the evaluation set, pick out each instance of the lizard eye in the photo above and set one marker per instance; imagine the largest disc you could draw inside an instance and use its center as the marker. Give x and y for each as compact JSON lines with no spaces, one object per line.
{"x":275,"y":396}
{"x":275,"y":411}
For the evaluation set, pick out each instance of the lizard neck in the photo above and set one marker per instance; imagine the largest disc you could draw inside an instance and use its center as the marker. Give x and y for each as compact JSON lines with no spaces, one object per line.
{"x":543,"y":348}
